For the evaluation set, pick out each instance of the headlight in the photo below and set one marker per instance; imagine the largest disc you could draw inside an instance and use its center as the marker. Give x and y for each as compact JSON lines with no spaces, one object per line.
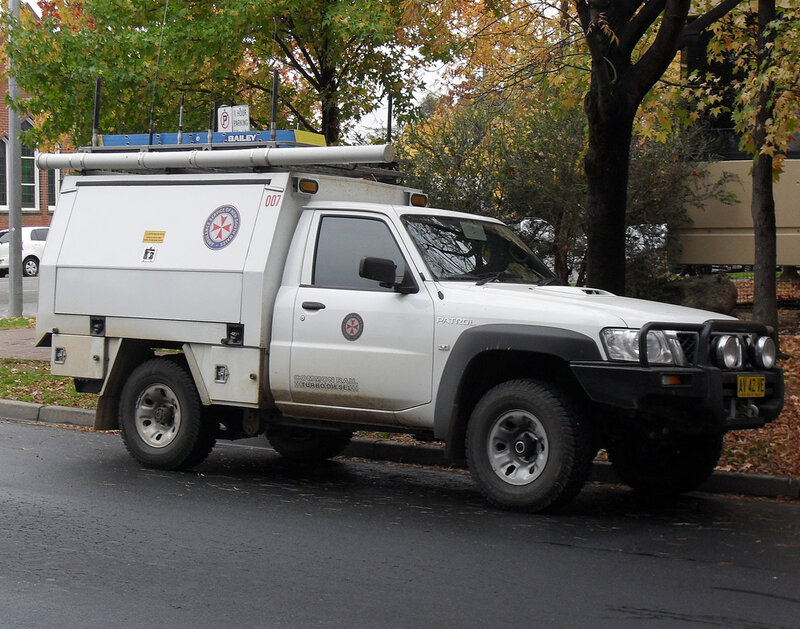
{"x":728,"y":351}
{"x":764,"y":352}
{"x":663,"y":347}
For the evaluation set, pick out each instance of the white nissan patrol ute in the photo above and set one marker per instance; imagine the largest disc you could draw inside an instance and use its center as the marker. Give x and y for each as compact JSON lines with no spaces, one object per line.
{"x":231,"y":292}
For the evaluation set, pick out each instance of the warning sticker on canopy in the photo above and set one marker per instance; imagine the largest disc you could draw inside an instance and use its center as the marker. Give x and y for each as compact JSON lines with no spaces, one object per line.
{"x":154,"y":237}
{"x":221,"y":227}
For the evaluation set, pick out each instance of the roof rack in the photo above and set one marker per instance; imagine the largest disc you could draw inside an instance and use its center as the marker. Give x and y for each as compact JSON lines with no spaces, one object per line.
{"x":188,"y":156}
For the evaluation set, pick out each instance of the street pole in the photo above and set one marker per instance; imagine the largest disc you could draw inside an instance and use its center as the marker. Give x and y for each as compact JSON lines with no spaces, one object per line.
{"x":14,"y":172}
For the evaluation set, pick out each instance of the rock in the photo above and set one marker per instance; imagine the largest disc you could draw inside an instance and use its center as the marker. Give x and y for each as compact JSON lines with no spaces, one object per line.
{"x":789,"y":274}
{"x":708,"y":292}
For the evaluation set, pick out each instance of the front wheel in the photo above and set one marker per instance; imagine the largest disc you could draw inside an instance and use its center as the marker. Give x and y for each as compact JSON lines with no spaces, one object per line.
{"x":528,"y":447}
{"x":308,"y":445}
{"x":666,"y":466}
{"x":161,"y":418}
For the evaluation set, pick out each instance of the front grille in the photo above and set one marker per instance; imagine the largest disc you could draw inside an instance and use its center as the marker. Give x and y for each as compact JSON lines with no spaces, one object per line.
{"x":688,"y":341}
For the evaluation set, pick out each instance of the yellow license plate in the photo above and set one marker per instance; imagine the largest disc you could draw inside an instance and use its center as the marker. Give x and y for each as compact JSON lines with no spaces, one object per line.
{"x":751,"y":386}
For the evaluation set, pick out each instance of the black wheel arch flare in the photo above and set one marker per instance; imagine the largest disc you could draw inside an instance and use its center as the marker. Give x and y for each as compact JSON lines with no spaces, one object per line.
{"x":566,"y":345}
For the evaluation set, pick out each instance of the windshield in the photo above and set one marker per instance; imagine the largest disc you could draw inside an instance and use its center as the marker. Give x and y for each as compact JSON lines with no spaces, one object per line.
{"x":475,"y":250}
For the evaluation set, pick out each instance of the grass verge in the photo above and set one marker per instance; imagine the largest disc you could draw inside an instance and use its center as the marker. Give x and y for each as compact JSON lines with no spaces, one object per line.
{"x":31,"y":381}
{"x":17,"y":322}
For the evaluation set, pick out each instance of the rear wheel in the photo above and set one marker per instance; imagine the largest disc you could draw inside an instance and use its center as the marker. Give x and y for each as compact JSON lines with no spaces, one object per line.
{"x":528,"y":448}
{"x":161,"y":417}
{"x":668,"y":466}
{"x":308,"y":445}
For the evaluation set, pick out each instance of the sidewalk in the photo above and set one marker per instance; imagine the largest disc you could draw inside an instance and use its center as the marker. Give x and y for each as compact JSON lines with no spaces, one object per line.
{"x":19,"y":344}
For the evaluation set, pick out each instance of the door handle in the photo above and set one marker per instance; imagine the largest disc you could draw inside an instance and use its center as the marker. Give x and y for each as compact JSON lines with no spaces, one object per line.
{"x":313,"y":305}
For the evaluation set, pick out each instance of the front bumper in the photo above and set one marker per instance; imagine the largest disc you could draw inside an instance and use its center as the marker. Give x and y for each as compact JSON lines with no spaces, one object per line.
{"x":698,"y":396}
{"x":705,"y":397}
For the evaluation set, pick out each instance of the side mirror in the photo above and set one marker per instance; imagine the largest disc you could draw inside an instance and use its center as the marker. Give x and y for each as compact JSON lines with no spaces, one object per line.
{"x":378,"y":269}
{"x":384,"y":271}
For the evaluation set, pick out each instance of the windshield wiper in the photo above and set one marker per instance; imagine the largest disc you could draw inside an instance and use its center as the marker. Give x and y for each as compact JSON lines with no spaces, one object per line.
{"x":491,"y":277}
{"x":550,"y":281}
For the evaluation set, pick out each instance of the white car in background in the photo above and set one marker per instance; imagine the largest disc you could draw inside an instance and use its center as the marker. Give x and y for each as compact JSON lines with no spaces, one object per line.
{"x":33,"y":240}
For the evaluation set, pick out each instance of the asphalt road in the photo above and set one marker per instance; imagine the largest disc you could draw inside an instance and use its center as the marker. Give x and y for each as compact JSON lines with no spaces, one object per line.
{"x":90,"y":539}
{"x":30,"y":296}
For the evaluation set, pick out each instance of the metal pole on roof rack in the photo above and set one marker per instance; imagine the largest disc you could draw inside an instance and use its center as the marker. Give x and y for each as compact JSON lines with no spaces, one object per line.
{"x":389,"y":121}
{"x":150,"y":126}
{"x":212,"y":119}
{"x":273,"y":122}
{"x":233,"y":158}
{"x":96,"y":118}
{"x":180,"y":120}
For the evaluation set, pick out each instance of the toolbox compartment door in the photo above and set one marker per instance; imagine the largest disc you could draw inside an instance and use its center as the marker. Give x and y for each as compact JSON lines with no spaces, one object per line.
{"x":144,"y":250}
{"x":78,"y":356}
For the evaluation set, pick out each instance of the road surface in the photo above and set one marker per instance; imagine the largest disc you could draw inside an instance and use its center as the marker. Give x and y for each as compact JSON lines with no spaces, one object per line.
{"x":89,"y":538}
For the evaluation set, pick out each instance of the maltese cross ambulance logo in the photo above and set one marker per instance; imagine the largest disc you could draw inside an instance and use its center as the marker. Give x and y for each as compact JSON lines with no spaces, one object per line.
{"x":221,"y":227}
{"x":352,"y":326}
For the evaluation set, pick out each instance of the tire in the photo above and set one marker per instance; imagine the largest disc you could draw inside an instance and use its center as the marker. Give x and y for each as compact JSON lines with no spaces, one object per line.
{"x":30,"y":266}
{"x":667,"y":467}
{"x":528,"y":447}
{"x":161,"y":418}
{"x":308,"y":445}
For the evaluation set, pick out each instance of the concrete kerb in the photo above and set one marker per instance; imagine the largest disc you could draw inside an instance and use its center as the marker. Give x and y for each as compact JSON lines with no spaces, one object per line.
{"x":386,"y":450}
{"x":46,"y":414}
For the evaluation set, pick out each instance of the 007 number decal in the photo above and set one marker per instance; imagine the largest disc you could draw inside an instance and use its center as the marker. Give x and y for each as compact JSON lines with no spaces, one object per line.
{"x":272,"y":200}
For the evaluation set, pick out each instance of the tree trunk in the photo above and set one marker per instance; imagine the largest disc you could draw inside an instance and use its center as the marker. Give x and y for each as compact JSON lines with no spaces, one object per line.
{"x":331,"y":123}
{"x":762,"y":208}
{"x":765,"y":305}
{"x":606,"y":162}
{"x":328,"y":96}
{"x":561,"y":245}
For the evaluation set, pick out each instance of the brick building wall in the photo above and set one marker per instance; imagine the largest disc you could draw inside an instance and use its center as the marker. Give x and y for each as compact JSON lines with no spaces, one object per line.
{"x":40,"y":216}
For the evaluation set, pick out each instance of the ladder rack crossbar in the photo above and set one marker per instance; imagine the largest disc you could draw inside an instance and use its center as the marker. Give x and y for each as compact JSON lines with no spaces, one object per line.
{"x":138,"y":159}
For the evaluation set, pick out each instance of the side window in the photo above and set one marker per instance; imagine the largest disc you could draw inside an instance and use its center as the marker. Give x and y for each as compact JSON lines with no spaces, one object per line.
{"x":39,"y":234}
{"x":53,"y":186}
{"x":342,"y":242}
{"x":29,"y":172}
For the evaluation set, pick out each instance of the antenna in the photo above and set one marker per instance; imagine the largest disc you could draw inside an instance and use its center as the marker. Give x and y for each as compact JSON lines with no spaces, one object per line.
{"x":96,"y":117}
{"x":389,"y":120}
{"x":180,"y":120}
{"x":158,"y":63}
{"x":150,"y":126}
{"x":212,"y":121}
{"x":273,"y":124}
